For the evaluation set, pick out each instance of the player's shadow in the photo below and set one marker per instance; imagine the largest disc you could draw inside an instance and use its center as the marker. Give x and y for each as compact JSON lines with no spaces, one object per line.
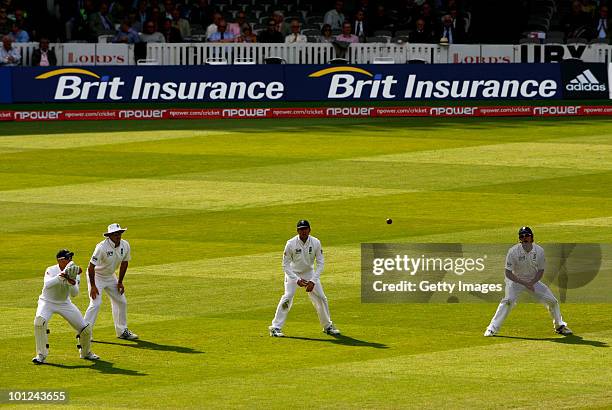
{"x":100,"y":365}
{"x":570,"y":340}
{"x":146,"y":345}
{"x":343,"y":340}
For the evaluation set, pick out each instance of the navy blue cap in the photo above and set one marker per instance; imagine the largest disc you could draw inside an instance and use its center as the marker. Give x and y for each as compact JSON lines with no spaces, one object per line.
{"x":64,"y":254}
{"x":303,"y":223}
{"x":525,"y":230}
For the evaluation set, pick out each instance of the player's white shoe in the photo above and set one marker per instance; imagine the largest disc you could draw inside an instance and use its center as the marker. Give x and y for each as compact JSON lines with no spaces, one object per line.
{"x":489,"y":333}
{"x":564,"y":330}
{"x":90,"y":356}
{"x":331,"y":330}
{"x":128,"y":335}
{"x":39,"y":359}
{"x":276,"y":332}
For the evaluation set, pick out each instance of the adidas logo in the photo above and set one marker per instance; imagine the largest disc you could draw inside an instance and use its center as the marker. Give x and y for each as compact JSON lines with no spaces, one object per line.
{"x":585,"y":82}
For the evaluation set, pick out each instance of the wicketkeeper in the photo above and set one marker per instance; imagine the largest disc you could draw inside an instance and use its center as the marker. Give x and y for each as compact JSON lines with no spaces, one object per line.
{"x":61,"y":282}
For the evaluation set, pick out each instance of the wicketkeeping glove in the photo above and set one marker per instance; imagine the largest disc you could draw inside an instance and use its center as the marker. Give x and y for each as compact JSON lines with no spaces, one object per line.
{"x":310,"y":286}
{"x":72,"y":271}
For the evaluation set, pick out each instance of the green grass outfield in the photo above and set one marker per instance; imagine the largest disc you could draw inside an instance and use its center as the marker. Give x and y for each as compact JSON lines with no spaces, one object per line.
{"x":209,"y":206}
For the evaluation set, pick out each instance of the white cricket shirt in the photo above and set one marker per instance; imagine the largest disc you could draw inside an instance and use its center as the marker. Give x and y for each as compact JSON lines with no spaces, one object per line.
{"x":57,"y":289}
{"x":299,"y":257}
{"x":106,"y":257}
{"x":523,"y":264}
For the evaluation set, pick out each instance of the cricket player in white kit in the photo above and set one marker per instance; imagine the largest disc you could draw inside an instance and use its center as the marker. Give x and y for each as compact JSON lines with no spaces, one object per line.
{"x":299,"y":257}
{"x":110,"y":253}
{"x":525,"y":264}
{"x":61,"y":282}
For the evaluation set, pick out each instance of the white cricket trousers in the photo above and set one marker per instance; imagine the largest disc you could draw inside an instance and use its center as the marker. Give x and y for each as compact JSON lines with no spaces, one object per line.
{"x":45,"y":310}
{"x":317,"y":297}
{"x":107,"y":284}
{"x":542,"y":294}
{"x":67,"y":310}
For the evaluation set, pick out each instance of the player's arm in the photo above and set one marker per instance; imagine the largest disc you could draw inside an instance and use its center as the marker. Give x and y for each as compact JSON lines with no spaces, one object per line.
{"x":287,"y":266}
{"x":516,"y":279}
{"x":91,"y":272}
{"x":51,"y":281}
{"x":122,"y":269}
{"x":320,"y":262}
{"x":537,"y":277}
{"x":74,"y":289}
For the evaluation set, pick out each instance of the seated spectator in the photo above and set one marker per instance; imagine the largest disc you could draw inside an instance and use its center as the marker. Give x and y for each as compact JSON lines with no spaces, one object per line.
{"x":5,"y":22}
{"x":43,"y":56}
{"x":447,"y":33}
{"x":270,"y":35}
{"x":9,"y":56}
{"x":167,"y":9}
{"x":100,"y":22}
{"x":335,"y":17}
{"x":171,"y":34}
{"x":221,"y":36}
{"x":601,"y":25}
{"x":281,"y":26}
{"x":126,"y":34}
{"x":142,"y":14}
{"x":577,"y":23}
{"x":380,"y":20}
{"x":458,"y":22}
{"x":201,"y":13}
{"x":151,"y":35}
{"x":427,"y":15}
{"x":22,"y":21}
{"x":295,"y":36}
{"x":212,"y":28}
{"x":361,"y":25}
{"x":247,"y":35}
{"x":180,"y":23}
{"x":134,"y":23}
{"x":347,"y":36}
{"x":117,"y":10}
{"x":420,"y":34}
{"x":156,"y":17}
{"x":326,"y":34}
{"x":18,"y":35}
{"x":236,"y":27}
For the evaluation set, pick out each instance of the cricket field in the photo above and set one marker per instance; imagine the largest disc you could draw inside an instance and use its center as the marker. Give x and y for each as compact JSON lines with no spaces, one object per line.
{"x":209,"y":205}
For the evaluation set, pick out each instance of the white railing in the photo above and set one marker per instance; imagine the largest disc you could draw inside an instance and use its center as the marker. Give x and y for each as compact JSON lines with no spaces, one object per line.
{"x":198,"y":53}
{"x":316,"y":53}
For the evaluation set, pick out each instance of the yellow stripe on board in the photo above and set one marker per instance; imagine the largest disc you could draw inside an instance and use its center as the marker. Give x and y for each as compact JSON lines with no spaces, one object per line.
{"x":67,"y":71}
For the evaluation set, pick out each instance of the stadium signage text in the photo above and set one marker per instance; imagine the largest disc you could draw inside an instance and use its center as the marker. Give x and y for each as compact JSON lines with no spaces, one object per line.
{"x":307,"y":83}
{"x":71,"y":87}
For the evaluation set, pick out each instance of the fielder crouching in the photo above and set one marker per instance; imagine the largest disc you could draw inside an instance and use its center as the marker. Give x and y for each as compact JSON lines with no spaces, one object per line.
{"x":299,"y":257}
{"x":61,"y":282}
{"x":525,"y":264}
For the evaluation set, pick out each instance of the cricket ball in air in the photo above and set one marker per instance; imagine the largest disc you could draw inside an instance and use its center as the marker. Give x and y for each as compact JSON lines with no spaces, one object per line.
{"x":389,"y":221}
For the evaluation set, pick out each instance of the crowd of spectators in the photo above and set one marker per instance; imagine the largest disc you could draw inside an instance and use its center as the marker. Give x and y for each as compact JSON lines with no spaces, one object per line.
{"x":290,"y":21}
{"x":341,"y":22}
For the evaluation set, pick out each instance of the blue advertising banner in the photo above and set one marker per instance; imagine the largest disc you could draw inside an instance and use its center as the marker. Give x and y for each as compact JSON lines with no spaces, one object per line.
{"x":427,"y":82}
{"x":141,"y":84}
{"x":288,"y":83}
{"x":5,"y":85}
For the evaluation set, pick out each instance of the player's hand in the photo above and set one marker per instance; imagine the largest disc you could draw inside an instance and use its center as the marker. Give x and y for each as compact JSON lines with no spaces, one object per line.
{"x":530,"y":286}
{"x":65,"y":276}
{"x":301,"y":282}
{"x":93,"y":292}
{"x":310,"y":286}
{"x":120,"y":288}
